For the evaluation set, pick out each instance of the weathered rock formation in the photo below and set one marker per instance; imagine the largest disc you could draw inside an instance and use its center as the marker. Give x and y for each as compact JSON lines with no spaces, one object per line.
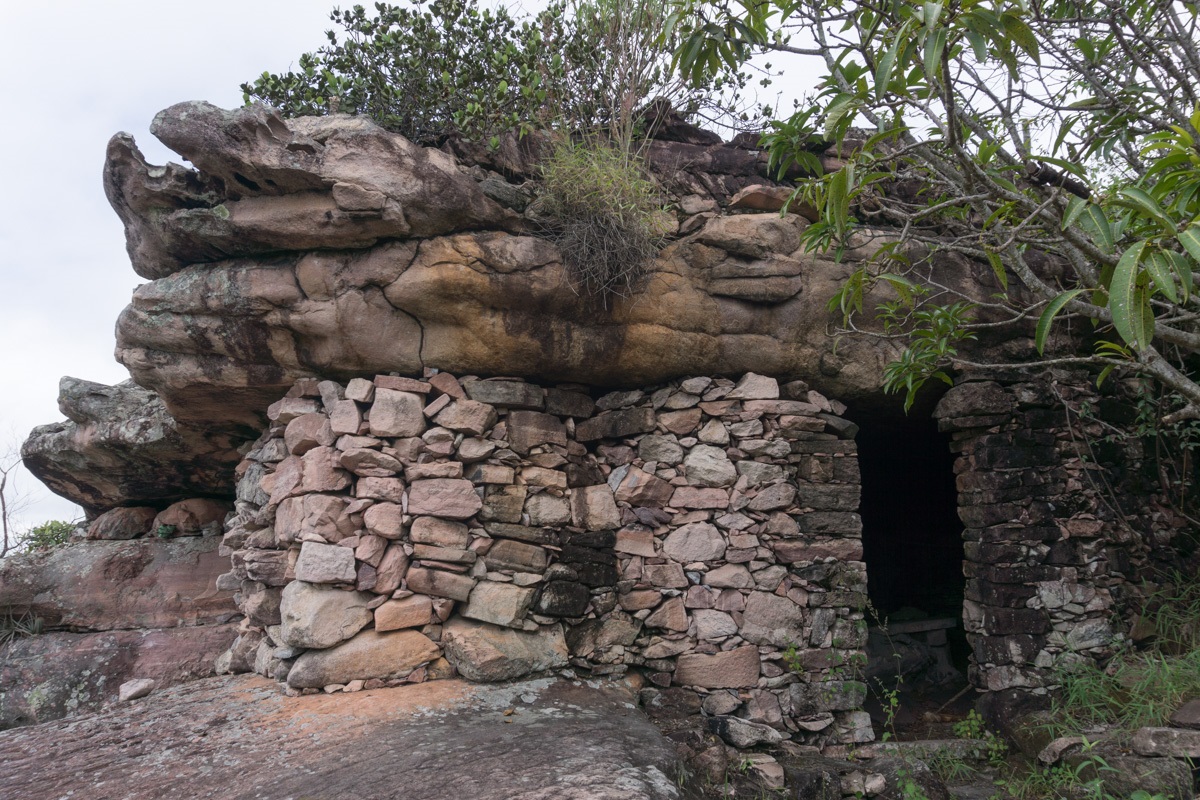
{"x":106,"y":612}
{"x":119,"y":446}
{"x":238,"y":737}
{"x":395,"y":524}
{"x":330,"y":247}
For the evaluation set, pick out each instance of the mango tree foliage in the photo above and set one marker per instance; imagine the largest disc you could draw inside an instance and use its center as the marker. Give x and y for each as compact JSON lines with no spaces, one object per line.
{"x":1055,"y":141}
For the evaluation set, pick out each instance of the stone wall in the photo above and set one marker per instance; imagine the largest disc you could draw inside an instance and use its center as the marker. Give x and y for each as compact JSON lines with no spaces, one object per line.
{"x":1063,"y":531}
{"x":703,"y":532}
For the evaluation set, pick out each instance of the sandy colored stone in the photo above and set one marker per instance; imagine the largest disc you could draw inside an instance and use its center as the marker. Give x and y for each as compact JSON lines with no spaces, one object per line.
{"x":396,"y":414}
{"x":733,"y":669}
{"x":485,"y":653}
{"x":325,"y":563}
{"x":772,"y":620}
{"x":413,"y":611}
{"x":594,"y":508}
{"x":546,"y":509}
{"x":385,"y":520}
{"x":367,"y":655}
{"x":449,"y":498}
{"x":498,"y":603}
{"x":698,"y":541}
{"x":439,"y":532}
{"x":321,"y":616}
{"x":437,"y":583}
{"x":467,"y":416}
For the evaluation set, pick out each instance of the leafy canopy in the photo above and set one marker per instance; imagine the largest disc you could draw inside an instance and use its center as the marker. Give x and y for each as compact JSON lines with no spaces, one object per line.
{"x":454,"y":68}
{"x":1054,"y":140}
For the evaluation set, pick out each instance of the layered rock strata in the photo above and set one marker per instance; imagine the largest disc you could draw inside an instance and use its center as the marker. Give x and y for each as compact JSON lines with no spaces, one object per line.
{"x":328,"y":246}
{"x":120,"y":446}
{"x":703,"y":532}
{"x":101,"y":612}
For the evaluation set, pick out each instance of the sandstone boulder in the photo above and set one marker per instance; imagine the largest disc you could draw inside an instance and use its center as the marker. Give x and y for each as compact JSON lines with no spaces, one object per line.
{"x":121,"y":446}
{"x":52,"y":675}
{"x":321,"y":616}
{"x":367,"y":655}
{"x":487,"y":654}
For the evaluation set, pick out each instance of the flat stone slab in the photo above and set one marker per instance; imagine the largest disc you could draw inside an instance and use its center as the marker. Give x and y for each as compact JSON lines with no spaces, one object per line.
{"x":239,"y":737}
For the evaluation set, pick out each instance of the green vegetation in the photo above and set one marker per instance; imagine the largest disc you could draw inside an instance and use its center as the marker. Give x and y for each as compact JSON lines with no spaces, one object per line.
{"x":13,"y":626}
{"x":604,"y":214}
{"x":1055,"y":142}
{"x":49,"y":534}
{"x":455,"y":68}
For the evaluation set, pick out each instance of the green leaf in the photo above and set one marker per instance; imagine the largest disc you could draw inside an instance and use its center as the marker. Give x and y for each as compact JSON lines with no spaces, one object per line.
{"x":1126,"y":300}
{"x":1139,"y":200}
{"x":978,"y":45}
{"x":837,"y":202}
{"x":930,"y":14}
{"x":1159,"y":267}
{"x":1190,"y":239}
{"x":1047,"y":319}
{"x":934,"y":46}
{"x":842,"y":105}
{"x":1101,"y":227}
{"x":1020,"y":33}
{"x":998,"y":268}
{"x":883,"y":71}
{"x":1075,"y":207}
{"x":1184,"y":270}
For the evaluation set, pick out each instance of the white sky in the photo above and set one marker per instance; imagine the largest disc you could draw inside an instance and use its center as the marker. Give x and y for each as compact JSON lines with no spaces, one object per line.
{"x":76,"y":72}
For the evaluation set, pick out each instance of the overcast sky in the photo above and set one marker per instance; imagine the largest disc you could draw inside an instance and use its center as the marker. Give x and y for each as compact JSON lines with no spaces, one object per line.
{"x":78,"y":71}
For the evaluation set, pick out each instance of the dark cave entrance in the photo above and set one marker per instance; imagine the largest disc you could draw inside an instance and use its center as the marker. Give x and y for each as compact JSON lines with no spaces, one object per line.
{"x":913,"y":549}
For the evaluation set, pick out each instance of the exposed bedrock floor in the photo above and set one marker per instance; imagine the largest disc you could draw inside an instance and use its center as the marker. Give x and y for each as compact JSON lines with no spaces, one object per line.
{"x":239,"y":737}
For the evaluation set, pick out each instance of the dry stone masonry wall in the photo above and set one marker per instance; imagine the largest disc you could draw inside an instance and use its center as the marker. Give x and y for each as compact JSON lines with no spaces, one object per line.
{"x":1062,"y":531}
{"x":704,"y":533}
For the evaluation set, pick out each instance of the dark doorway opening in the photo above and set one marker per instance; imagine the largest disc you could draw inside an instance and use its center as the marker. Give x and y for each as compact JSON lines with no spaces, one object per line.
{"x":913,"y":549}
{"x":912,"y":536}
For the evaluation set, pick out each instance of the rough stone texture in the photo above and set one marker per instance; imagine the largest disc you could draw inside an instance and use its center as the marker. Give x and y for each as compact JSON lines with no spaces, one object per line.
{"x":444,"y":497}
{"x":488,"y":654}
{"x":321,"y":616}
{"x":123,"y":523}
{"x":735,"y":669}
{"x":416,"y":737}
{"x":498,"y":603}
{"x":120,"y":445}
{"x":588,"y":531}
{"x":99,"y":586}
{"x":325,"y":563}
{"x":350,"y":292}
{"x":1172,"y":742}
{"x":367,"y":655}
{"x":1048,"y":553}
{"x":57,"y":674}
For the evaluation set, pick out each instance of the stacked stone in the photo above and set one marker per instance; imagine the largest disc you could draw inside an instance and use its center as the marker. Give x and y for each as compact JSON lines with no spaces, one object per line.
{"x":1046,"y":550}
{"x":389,"y":529}
{"x":740,"y":543}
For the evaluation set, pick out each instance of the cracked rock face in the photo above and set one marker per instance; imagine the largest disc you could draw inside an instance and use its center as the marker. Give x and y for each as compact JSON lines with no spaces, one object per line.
{"x":328,"y":246}
{"x":120,"y":446}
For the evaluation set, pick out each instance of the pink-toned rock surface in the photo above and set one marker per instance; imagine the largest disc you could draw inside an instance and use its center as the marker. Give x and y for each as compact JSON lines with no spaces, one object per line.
{"x":55,"y":674}
{"x":447,"y":740}
{"x":99,"y":585}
